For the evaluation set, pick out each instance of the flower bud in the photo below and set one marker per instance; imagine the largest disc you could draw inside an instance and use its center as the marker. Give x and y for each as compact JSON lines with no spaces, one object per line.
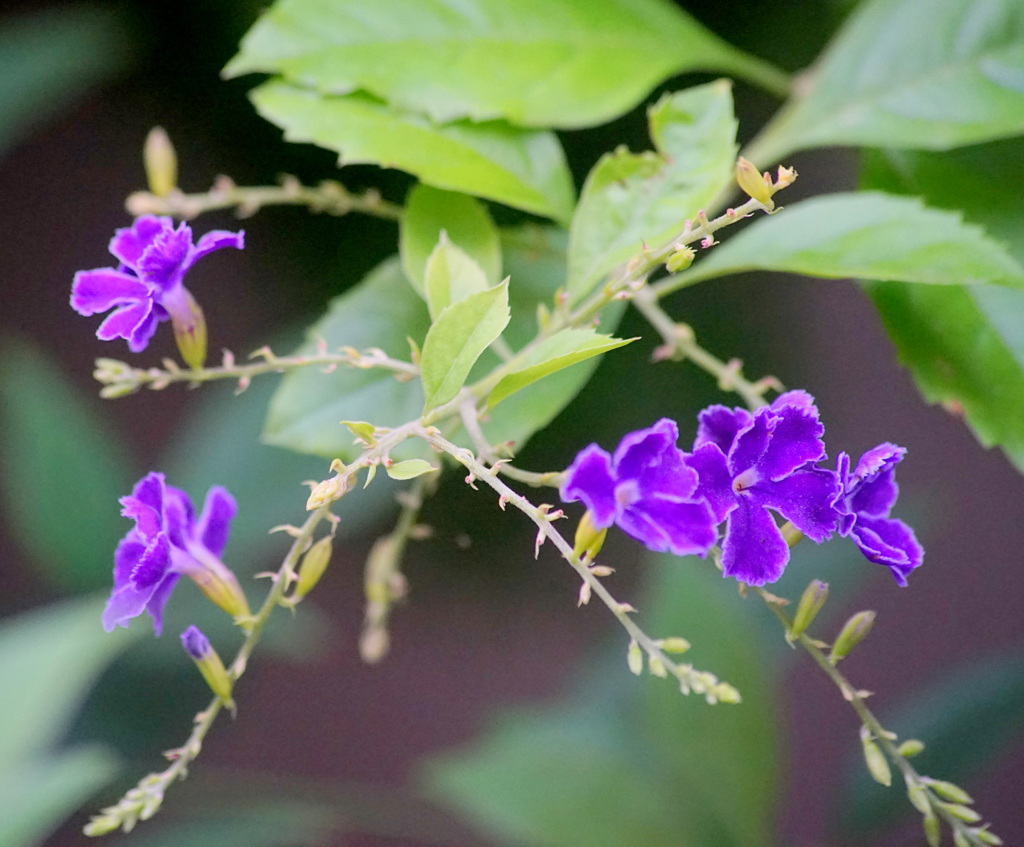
{"x":209,"y":663}
{"x":314,"y":563}
{"x":811,"y":602}
{"x":910,"y":748}
{"x":855,"y":630}
{"x":680,"y":260}
{"x":190,"y":332}
{"x":932,"y":829}
{"x":878,"y":765}
{"x":635,"y":658}
{"x":949,"y":791}
{"x":221,"y":587}
{"x":674,"y":645}
{"x":589,"y":539}
{"x":754,"y":184}
{"x":791,"y":534}
{"x":327,"y":491}
{"x":161,"y":162}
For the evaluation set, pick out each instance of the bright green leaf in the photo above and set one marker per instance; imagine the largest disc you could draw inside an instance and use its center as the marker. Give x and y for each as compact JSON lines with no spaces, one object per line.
{"x":451,"y":276}
{"x":964,"y":346}
{"x":924,"y":74}
{"x":410,"y":469}
{"x":519,"y":167}
{"x":457,"y":338}
{"x":50,"y":58}
{"x":557,"y":63}
{"x":634,"y":199}
{"x":305,"y":411}
{"x":561,"y":350}
{"x":44,"y":470}
{"x":428,"y":212}
{"x":865,"y":235}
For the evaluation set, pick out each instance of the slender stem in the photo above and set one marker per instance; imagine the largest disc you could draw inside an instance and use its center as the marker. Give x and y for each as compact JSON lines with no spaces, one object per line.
{"x":329,"y":197}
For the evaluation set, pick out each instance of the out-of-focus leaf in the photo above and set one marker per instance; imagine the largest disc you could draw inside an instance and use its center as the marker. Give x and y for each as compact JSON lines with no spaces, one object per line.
{"x":865,"y":235}
{"x":917,"y":74}
{"x":455,"y":341}
{"x":428,"y":212}
{"x":967,"y":718}
{"x":410,"y":469}
{"x":451,"y":276}
{"x":557,"y":63}
{"x":964,"y":346}
{"x":523,"y":168}
{"x":634,"y":760}
{"x":63,"y":471}
{"x":50,"y":58}
{"x":561,"y":350}
{"x":630,"y":199}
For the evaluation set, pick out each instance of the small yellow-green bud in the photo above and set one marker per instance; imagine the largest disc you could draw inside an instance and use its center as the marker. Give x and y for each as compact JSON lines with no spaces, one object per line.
{"x":674,"y":645}
{"x":589,"y":539}
{"x":750,"y":179}
{"x":949,"y":791}
{"x":656,"y":666}
{"x":635,"y":658}
{"x":911,"y":747}
{"x":853,"y":632}
{"x":964,"y":813}
{"x":161,"y":162}
{"x":960,"y":840}
{"x":727,"y":693}
{"x":680,"y":259}
{"x":221,"y":587}
{"x":327,"y":492}
{"x":918,"y":797}
{"x":190,"y":333}
{"x":811,"y":602}
{"x":314,"y":563}
{"x":982,"y":834}
{"x":932,"y":830}
{"x":878,"y":765}
{"x":791,"y":534}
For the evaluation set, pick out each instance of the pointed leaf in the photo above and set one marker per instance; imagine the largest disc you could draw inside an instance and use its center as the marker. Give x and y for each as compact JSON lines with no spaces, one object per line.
{"x":560,"y":351}
{"x":631,"y":199}
{"x":451,"y":276}
{"x":410,"y":469}
{"x":557,"y":63}
{"x":866,"y":235}
{"x":428,"y":212}
{"x":959,"y":80}
{"x":519,"y":167}
{"x":457,"y":338}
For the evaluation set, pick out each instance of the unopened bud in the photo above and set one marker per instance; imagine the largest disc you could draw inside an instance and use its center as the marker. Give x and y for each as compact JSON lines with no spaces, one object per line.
{"x":327,"y":492}
{"x":209,"y":663}
{"x":948,"y":790}
{"x":726,"y":693}
{"x":635,"y":658}
{"x":674,"y":645}
{"x":221,"y":587}
{"x":910,"y":748}
{"x":750,"y":179}
{"x":656,"y":666}
{"x":791,"y":534}
{"x":190,"y":332}
{"x":314,"y":563}
{"x":964,"y":813}
{"x":589,"y":538}
{"x":852,"y":634}
{"x":877,"y":764}
{"x":932,"y":829}
{"x":680,"y":260}
{"x":161,"y":162}
{"x":811,"y":602}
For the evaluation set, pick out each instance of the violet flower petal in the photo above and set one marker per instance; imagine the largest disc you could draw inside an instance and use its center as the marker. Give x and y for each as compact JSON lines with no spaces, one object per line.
{"x":753,"y":550}
{"x":890,"y":542}
{"x":795,"y":440}
{"x":215,"y":522}
{"x":715,"y":486}
{"x":128,"y":243}
{"x":217,"y":239}
{"x":875,"y":497}
{"x":158,"y":600}
{"x":751,"y":443}
{"x":805,"y":498}
{"x":720,"y":425}
{"x":798,"y":398}
{"x":589,"y":478}
{"x":684,"y":528}
{"x":101,"y":289}
{"x":162,"y":263}
{"x":878,"y":459}
{"x":124,"y":322}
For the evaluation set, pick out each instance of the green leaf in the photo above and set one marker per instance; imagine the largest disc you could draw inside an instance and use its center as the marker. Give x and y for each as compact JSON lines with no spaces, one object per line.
{"x":967,"y":719}
{"x":306,"y":409}
{"x":451,"y":276}
{"x":964,"y":346}
{"x":49,"y":59}
{"x":561,"y":350}
{"x":635,"y":761}
{"x":457,"y":338}
{"x":866,"y":235}
{"x":44,"y":471}
{"x":924,"y":74}
{"x":634,"y":199}
{"x":410,"y":469}
{"x":429,"y":212}
{"x":519,"y":167}
{"x":557,"y":63}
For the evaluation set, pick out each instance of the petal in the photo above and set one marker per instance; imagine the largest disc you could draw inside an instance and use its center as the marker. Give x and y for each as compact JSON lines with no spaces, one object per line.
{"x":215,"y":522}
{"x":163,"y":262}
{"x":879,"y":459}
{"x":754,"y":550}
{"x":216,"y":240}
{"x":685,"y":528}
{"x":589,"y":478}
{"x":179,"y":517}
{"x":795,"y":440}
{"x":146,"y":328}
{"x":805,"y":498}
{"x":102,"y":289}
{"x":799,"y":398}
{"x":129,"y":550}
{"x":124,"y":604}
{"x":720,"y":425}
{"x":644,"y":448}
{"x":875,"y":497}
{"x":145,"y":505}
{"x":715,"y":481}
{"x":128,"y":244}
{"x":153,"y":565}
{"x":890,"y":542}
{"x":122,"y":322}
{"x":751,"y":442}
{"x":158,"y":599}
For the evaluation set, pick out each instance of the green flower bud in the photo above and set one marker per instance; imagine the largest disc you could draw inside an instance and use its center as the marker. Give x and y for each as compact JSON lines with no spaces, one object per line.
{"x":949,"y":791}
{"x":190,"y":333}
{"x":161,"y":162}
{"x":314,"y":563}
{"x":911,"y":747}
{"x":932,"y":832}
{"x":209,"y":664}
{"x":635,"y":658}
{"x":750,"y":179}
{"x":855,"y":631}
{"x":878,"y":765}
{"x":589,"y":539}
{"x":811,"y":602}
{"x":680,"y":259}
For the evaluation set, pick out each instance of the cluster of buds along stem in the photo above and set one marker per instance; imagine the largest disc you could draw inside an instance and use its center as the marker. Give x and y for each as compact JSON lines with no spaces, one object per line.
{"x":760,"y":186}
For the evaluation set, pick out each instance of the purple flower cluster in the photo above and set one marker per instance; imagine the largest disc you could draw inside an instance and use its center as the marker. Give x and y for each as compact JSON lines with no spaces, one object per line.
{"x":744,"y":469}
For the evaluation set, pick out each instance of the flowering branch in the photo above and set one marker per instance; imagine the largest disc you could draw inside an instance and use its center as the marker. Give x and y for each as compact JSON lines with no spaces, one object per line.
{"x":119,"y":378}
{"x":659,"y":664}
{"x":329,"y":197}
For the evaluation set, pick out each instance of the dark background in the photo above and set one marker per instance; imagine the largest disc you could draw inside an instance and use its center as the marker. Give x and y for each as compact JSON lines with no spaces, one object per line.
{"x":479,"y":618}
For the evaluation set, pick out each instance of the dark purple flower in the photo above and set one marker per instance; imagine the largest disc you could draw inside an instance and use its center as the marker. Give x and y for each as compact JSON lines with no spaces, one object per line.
{"x":749,"y":464}
{"x":864,"y":501}
{"x":166,"y":542}
{"x":146,"y":287}
{"x":646,"y":488}
{"x":195,"y":643}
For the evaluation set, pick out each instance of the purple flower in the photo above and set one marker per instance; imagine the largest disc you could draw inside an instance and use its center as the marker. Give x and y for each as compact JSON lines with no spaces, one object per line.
{"x":646,"y":488}
{"x":166,"y":542}
{"x":195,"y":643}
{"x":864,"y":501}
{"x":146,"y":287}
{"x":749,"y":464}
